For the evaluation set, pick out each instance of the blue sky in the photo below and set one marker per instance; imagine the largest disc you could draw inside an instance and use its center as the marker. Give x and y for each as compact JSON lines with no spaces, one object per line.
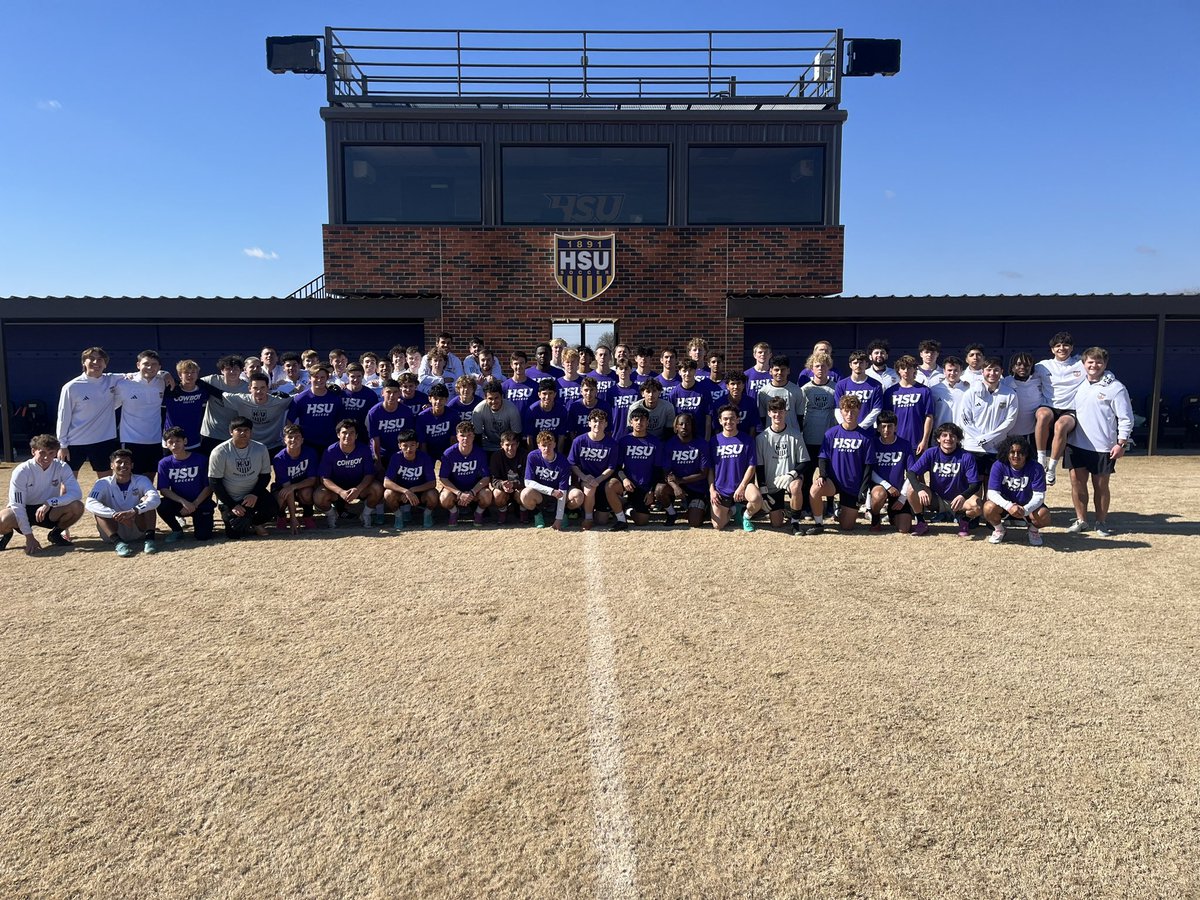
{"x":1024,"y":148}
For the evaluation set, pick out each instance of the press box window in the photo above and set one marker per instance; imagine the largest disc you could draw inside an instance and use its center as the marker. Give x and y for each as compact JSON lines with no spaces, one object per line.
{"x":585,"y":185}
{"x":756,"y":185}
{"x":431,"y":185}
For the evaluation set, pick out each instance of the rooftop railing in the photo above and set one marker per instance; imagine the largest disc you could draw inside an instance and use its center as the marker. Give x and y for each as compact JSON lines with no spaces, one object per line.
{"x":584,"y":69}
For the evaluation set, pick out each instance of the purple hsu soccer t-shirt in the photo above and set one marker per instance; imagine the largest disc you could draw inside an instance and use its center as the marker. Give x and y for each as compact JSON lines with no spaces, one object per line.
{"x":687,"y":459}
{"x":435,"y":432}
{"x":593,"y":457}
{"x":847,"y":454}
{"x":386,"y":425}
{"x":186,"y":477}
{"x":462,"y":471}
{"x":731,"y":456}
{"x":1017,"y":485}
{"x":639,"y":457}
{"x":911,"y":405}
{"x":890,"y":461}
{"x":553,"y":420}
{"x":950,"y":474}
{"x":410,"y":473}
{"x":316,"y":416}
{"x":555,"y":474}
{"x":288,"y":469}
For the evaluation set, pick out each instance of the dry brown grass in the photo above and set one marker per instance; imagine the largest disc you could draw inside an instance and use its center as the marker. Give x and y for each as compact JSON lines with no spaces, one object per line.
{"x":401,"y":716}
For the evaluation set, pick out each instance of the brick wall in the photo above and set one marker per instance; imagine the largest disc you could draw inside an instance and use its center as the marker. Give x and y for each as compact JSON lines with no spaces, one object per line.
{"x":671,"y":283}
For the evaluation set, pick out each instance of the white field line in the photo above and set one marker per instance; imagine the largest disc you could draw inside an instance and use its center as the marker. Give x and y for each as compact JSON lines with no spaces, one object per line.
{"x":613,"y":834}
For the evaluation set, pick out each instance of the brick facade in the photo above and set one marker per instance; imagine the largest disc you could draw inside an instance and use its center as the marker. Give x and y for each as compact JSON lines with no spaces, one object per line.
{"x":671,"y":283}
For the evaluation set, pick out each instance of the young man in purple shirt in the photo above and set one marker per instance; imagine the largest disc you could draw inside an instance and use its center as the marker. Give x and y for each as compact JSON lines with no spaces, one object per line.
{"x":410,"y":482}
{"x":570,"y":381}
{"x":548,"y":476}
{"x":637,"y":484}
{"x":356,"y":398}
{"x":435,"y":426}
{"x":714,"y":382}
{"x":759,"y":373}
{"x":641,"y":368}
{"x":693,"y":397}
{"x":1017,"y":490}
{"x":686,"y":464}
{"x":347,"y":479}
{"x":954,"y":481}
{"x":316,"y":410}
{"x":543,"y":367}
{"x":385,"y":421}
{"x":913,"y":405}
{"x":843,"y":468}
{"x":889,"y":457}
{"x":732,"y":476}
{"x":465,"y":476}
{"x":622,"y":396}
{"x":184,"y":488}
{"x":467,"y":396}
{"x":746,"y":405}
{"x":520,"y":389}
{"x":579,"y":413}
{"x":603,"y":373}
{"x":593,"y":460}
{"x":410,"y":396}
{"x":547,"y":414}
{"x":295,"y":468}
{"x":867,"y":390}
{"x":669,"y":376}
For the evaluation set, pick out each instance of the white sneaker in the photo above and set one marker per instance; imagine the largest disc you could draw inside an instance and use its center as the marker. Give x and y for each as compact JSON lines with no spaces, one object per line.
{"x":1035,"y":536}
{"x":1050,"y":476}
{"x":331,"y":517}
{"x":997,"y":534}
{"x":1103,"y":529}
{"x":1079,"y":526}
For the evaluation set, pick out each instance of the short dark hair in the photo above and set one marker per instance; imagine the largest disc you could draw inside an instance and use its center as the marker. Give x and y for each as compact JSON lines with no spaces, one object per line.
{"x":438,"y":390}
{"x":238,"y":422}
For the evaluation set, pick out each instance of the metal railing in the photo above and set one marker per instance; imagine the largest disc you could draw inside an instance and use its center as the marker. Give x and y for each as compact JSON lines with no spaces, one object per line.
{"x":314,"y":290}
{"x":564,"y":69}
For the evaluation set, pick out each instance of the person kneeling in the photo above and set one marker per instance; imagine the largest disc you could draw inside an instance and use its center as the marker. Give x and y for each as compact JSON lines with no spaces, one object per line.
{"x":1016,"y":489}
{"x":548,"y":475}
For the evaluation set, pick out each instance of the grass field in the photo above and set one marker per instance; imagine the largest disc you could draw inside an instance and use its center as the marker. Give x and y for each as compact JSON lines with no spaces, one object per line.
{"x":515,"y":713}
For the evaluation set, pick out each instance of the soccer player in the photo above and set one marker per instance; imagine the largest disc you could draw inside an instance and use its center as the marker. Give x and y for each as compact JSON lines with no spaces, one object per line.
{"x":604,"y":374}
{"x":316,"y":410}
{"x":410,"y":396}
{"x":356,"y":398}
{"x":593,"y":461}
{"x":295,"y":468}
{"x":346,"y":480}
{"x":669,"y":376}
{"x":694,"y":397}
{"x":493,"y":416}
{"x":948,"y":392}
{"x":731,"y":479}
{"x":972,"y":372}
{"x":686,"y":464}
{"x":568,"y":384}
{"x":410,"y":482}
{"x":878,"y":352}
{"x":817,"y":413}
{"x":295,"y":376}
{"x":217,"y":416}
{"x":579,"y":413}
{"x":781,"y":459}
{"x":271,"y":365}
{"x":889,"y":458}
{"x":806,"y":373}
{"x":781,"y":385}
{"x":385,"y":421}
{"x":548,"y":474}
{"x":759,"y":373}
{"x":986,"y":415}
{"x":1105,"y":420}
{"x":87,"y":422}
{"x":452,"y":366}
{"x":913,"y":405}
{"x":185,"y":403}
{"x":1017,"y":490}
{"x":714,"y":383}
{"x":662,"y":413}
{"x":184,"y":488}
{"x":141,"y":402}
{"x":1027,"y":385}
{"x":462,"y":406}
{"x":929,"y":373}
{"x":437,"y":373}
{"x":465,"y":476}
{"x":239,"y":471}
{"x":587,"y":359}
{"x":547,"y":414}
{"x":370,"y":366}
{"x":265,"y":410}
{"x":622,"y":396}
{"x":741,"y":400}
{"x":338,"y":362}
{"x":697,"y":349}
{"x":123,"y":504}
{"x":1061,"y":374}
{"x":637,"y":484}
{"x":954,"y":481}
{"x":482,"y":365}
{"x":520,"y":389}
{"x":507,"y":466}
{"x":543,"y":367}
{"x":558,"y":346}
{"x":435,"y":426}
{"x":843,"y":467}
{"x":641,"y":369}
{"x":857,"y":384}
{"x":42,"y":492}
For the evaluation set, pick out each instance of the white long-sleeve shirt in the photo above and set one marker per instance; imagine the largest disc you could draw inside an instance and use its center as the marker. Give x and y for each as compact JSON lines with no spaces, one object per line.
{"x":87,"y":410}
{"x":945,"y":399}
{"x":987,"y":417}
{"x":109,"y":498}
{"x":1029,"y":398}
{"x":1060,"y":381}
{"x":1103,"y":415}
{"x":31,"y":485}
{"x":141,"y":409}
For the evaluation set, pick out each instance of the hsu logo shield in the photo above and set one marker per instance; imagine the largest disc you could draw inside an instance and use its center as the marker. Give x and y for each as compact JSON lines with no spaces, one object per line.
{"x":585,"y":264}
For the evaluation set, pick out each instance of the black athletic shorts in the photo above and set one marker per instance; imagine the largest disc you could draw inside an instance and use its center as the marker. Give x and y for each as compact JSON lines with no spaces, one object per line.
{"x":145,"y":457}
{"x":775,"y":500}
{"x":1059,"y":413}
{"x":98,"y":455}
{"x":1095,"y":462}
{"x":31,"y":514}
{"x":636,"y":499}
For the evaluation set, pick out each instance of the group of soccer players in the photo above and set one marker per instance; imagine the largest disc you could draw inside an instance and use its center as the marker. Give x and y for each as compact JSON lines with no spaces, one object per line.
{"x":594,"y":435}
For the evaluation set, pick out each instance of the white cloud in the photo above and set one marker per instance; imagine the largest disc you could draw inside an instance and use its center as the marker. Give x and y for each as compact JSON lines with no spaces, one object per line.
{"x":260,"y":253}
{"x":49,"y":105}
{"x":889,"y":195}
{"x":1146,"y":250}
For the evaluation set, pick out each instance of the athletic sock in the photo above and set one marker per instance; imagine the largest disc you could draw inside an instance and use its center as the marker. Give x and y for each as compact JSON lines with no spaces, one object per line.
{"x":620,"y":517}
{"x":670,"y":510}
{"x":1042,"y":458}
{"x":876,"y":519}
{"x":818,"y":520}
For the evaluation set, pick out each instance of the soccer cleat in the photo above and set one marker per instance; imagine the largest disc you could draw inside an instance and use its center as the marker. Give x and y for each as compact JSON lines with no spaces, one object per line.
{"x":997,"y":534}
{"x":151,"y":546}
{"x":56,"y":538}
{"x":1103,"y":529}
{"x":4,"y":541}
{"x":747,"y":525}
{"x":814,"y":529}
{"x":478,"y":518}
{"x":173,"y":537}
{"x":796,"y":527}
{"x":1079,"y":526}
{"x":124,"y":550}
{"x":453,"y":518}
{"x":964,"y":529}
{"x":1050,"y":477}
{"x":1035,"y":536}
{"x":618,"y":525}
{"x":539,"y":521}
{"x":281,"y":524}
{"x":920,"y":528}
{"x":308,"y":522}
{"x":331,"y":518}
{"x":427,"y":522}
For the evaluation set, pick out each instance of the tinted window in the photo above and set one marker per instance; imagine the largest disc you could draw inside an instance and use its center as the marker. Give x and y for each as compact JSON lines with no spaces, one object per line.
{"x":756,"y":185}
{"x":413,"y":184}
{"x":584,"y":185}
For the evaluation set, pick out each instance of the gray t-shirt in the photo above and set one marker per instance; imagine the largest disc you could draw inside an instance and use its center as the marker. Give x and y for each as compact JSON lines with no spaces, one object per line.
{"x":490,"y":425}
{"x":662,"y":418}
{"x":240,"y":469}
